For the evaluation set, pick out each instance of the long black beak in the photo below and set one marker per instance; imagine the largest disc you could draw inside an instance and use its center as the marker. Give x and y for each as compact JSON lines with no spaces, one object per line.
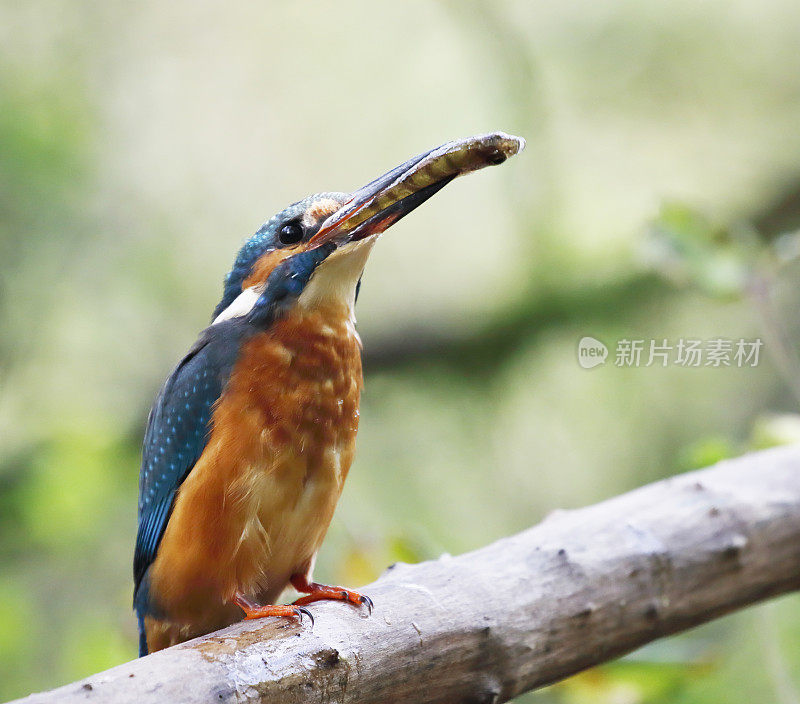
{"x":382,"y":202}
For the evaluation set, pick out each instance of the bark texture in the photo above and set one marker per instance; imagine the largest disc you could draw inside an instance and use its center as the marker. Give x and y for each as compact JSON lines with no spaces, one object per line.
{"x":582,"y":587}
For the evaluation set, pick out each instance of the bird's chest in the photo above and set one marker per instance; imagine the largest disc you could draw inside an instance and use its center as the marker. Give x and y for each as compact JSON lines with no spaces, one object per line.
{"x":293,"y":400}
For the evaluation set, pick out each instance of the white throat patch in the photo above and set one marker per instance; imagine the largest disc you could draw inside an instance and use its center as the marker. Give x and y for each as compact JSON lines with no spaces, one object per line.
{"x":335,"y":279}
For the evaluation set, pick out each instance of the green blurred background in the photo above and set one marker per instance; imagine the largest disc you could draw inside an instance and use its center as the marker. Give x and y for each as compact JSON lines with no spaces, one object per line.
{"x":658,"y":198}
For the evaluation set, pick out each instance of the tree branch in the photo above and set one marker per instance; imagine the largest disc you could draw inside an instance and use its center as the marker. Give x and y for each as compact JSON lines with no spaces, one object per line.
{"x":582,"y":587}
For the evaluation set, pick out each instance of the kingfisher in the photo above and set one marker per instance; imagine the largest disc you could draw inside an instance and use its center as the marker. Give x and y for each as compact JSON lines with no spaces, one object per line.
{"x":251,"y":437}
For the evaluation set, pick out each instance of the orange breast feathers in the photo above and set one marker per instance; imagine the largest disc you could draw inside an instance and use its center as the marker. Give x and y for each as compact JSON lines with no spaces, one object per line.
{"x":256,"y":506}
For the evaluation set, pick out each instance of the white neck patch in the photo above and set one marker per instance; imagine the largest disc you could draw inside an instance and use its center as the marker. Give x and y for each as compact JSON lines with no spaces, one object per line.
{"x":241,"y":305}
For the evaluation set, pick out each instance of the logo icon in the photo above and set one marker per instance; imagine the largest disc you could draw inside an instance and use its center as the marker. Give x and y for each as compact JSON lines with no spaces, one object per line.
{"x":591,"y":352}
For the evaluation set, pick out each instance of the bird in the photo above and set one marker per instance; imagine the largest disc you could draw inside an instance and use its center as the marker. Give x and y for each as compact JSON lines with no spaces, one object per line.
{"x":251,"y":437}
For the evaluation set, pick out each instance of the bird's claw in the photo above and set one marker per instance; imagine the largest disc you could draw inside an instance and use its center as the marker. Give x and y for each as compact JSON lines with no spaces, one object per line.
{"x":366,"y":601}
{"x":301,"y":611}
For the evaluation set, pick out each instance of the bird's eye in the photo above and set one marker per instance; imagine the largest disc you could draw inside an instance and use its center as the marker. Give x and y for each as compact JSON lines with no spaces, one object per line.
{"x":291,"y":233}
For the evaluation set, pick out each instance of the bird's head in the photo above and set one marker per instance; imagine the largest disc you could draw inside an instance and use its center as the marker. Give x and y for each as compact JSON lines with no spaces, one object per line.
{"x":313,"y":252}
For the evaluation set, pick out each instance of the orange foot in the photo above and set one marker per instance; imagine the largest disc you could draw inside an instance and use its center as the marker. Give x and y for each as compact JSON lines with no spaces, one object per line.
{"x":253,"y":610}
{"x":318,"y":592}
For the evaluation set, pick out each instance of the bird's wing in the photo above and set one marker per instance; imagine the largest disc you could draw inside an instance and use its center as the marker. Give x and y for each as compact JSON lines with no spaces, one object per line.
{"x":177,"y":432}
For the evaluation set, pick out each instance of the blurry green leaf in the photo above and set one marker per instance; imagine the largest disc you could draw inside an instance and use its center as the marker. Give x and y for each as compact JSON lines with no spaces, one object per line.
{"x":17,"y":637}
{"x":403,"y":549}
{"x":630,"y":682}
{"x":358,"y":566}
{"x":45,"y":131}
{"x":775,"y":429}
{"x":16,"y":616}
{"x":707,"y":452}
{"x":95,"y":645}
{"x":685,"y":247}
{"x":69,"y":488}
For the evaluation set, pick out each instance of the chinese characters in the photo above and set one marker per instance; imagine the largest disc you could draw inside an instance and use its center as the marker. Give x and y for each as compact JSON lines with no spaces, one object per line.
{"x":686,"y":352}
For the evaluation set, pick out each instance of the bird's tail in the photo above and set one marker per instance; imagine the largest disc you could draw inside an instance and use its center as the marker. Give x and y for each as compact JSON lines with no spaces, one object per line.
{"x":142,"y":636}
